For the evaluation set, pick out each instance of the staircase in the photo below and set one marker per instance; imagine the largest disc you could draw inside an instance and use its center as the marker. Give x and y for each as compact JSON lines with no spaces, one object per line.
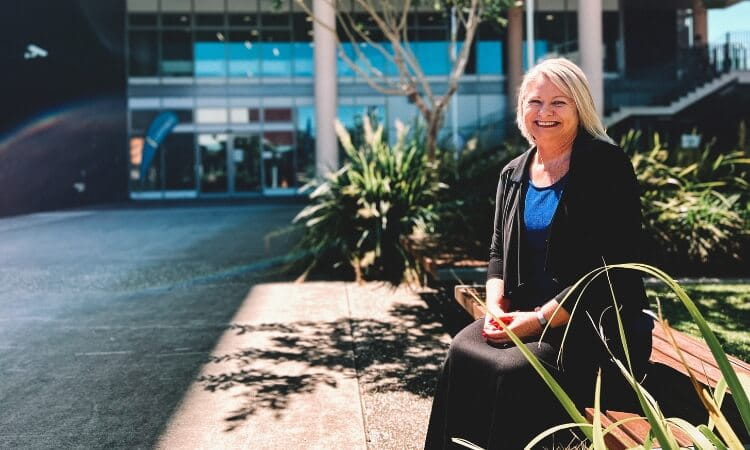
{"x":742,"y":77}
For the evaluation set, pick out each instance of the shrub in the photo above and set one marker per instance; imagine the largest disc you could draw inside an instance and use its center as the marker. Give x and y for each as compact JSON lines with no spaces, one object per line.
{"x":368,"y":215}
{"x":467,"y":207}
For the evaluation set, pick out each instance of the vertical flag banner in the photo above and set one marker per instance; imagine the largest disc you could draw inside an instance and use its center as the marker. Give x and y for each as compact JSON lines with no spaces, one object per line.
{"x":160,"y":127}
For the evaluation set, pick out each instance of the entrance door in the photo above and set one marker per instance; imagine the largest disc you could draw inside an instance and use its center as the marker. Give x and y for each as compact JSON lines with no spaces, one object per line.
{"x":246,"y":173}
{"x":278,"y":160}
{"x":213,"y":164}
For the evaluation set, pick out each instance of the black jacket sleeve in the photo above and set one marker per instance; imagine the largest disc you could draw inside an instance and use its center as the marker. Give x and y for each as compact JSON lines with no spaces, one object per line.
{"x":495,"y":267}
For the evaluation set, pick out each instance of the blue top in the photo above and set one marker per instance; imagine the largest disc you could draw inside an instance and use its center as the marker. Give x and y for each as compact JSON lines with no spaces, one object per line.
{"x":540,"y":205}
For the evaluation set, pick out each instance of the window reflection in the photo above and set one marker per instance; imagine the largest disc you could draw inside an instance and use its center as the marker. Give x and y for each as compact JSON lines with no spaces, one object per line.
{"x":177,"y":53}
{"x":278,"y":159}
{"x":179,"y":161}
{"x":244,"y":54}
{"x":143,"y":54}
{"x":213,"y":162}
{"x":276,"y":53}
{"x":305,"y":144}
{"x":210,"y":54}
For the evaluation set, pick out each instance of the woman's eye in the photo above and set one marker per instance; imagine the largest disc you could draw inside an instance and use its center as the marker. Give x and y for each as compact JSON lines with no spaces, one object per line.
{"x":535,"y":102}
{"x":558,"y":103}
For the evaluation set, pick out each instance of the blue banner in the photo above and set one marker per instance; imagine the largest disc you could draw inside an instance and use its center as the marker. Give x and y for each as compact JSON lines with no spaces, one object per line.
{"x":160,"y":127}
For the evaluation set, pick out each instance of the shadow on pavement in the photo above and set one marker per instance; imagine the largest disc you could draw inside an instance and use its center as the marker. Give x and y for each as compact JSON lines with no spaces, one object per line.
{"x":401,"y":353}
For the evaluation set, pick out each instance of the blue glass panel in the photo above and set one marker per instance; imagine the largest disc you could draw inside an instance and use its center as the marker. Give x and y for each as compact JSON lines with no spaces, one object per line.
{"x":244,"y":59}
{"x":342,"y":68}
{"x":306,"y":119}
{"x":210,"y":59}
{"x":303,"y":59}
{"x":490,"y":57}
{"x":377,"y":62}
{"x":276,"y":59}
{"x":540,"y":51}
{"x":433,"y":56}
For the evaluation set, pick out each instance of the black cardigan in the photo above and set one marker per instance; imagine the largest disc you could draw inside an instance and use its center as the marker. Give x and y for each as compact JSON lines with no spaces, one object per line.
{"x":598,"y":220}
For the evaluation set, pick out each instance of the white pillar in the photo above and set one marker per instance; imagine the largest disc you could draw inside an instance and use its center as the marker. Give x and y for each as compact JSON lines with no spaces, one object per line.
{"x":590,"y":47}
{"x":326,"y":96}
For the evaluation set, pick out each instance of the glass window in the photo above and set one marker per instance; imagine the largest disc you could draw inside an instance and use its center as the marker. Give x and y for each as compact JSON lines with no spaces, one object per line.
{"x":489,"y":57}
{"x":278,"y":159}
{"x":143,"y":55}
{"x":179,"y":161}
{"x":277,"y":114}
{"x":303,"y":59}
{"x":209,"y":20}
{"x":213,"y":162}
{"x":276,"y":53}
{"x":177,"y":53}
{"x":243,"y":115}
{"x":302,"y":45}
{"x":305,"y":144}
{"x":175,"y":20}
{"x":184,"y":115}
{"x":244,"y":54}
{"x":210,"y":54}
{"x":247,"y":166}
{"x":211,"y":115}
{"x":153,"y":178}
{"x":141,"y":119}
{"x":141,"y":19}
{"x":433,"y":56}
{"x":243,"y":20}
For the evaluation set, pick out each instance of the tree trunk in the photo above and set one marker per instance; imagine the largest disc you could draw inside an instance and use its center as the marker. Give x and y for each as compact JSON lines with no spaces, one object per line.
{"x":433,"y":127}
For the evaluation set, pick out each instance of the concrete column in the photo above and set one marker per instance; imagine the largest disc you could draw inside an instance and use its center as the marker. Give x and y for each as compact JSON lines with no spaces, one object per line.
{"x":700,"y":23}
{"x":326,"y":96}
{"x":590,"y":47}
{"x":515,"y":55}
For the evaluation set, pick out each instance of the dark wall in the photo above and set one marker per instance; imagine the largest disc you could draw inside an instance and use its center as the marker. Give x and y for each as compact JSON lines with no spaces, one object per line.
{"x":63,"y":116}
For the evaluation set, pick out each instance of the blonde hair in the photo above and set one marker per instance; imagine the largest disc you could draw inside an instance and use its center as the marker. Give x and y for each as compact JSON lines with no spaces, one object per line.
{"x":570,"y":79}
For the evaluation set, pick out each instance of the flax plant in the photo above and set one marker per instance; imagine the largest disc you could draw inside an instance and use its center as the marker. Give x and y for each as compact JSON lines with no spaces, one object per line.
{"x":369,"y":214}
{"x":716,"y":433}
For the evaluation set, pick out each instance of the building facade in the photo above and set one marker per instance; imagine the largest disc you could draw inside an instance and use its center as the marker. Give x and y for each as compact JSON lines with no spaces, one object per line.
{"x":236,"y":98}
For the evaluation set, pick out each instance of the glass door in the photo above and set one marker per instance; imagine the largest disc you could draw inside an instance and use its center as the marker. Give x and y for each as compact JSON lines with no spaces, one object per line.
{"x":278,"y":160}
{"x":246,"y":173}
{"x":213,"y":164}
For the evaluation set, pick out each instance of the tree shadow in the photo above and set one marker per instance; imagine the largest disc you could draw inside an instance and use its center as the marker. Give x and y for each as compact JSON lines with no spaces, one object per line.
{"x":402,"y":352}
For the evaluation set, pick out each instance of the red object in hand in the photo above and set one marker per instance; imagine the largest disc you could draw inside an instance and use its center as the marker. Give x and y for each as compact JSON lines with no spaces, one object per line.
{"x":505,"y":319}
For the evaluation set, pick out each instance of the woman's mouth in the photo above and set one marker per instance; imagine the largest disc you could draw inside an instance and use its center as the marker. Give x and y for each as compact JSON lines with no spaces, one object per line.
{"x":546,"y":124}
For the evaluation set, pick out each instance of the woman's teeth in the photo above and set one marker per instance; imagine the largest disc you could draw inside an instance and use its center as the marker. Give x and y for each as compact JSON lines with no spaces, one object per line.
{"x":546,"y":124}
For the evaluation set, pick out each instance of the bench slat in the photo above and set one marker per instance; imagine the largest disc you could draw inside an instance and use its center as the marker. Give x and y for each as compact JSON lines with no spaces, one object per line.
{"x":704,"y":372}
{"x":698,"y":348}
{"x":640,"y":428}
{"x":617,"y":439}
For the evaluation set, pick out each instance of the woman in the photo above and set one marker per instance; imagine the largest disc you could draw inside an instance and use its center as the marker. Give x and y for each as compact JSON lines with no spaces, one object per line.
{"x":566,"y":206}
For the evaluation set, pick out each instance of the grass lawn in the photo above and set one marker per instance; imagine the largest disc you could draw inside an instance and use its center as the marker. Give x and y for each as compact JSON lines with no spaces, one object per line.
{"x":726,"y":307}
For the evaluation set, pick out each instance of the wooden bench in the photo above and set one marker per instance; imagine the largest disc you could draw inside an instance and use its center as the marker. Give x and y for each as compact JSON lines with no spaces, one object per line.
{"x":665,"y":360}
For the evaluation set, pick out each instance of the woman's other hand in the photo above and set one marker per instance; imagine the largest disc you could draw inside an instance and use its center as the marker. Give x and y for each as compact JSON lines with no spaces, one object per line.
{"x":523,"y":324}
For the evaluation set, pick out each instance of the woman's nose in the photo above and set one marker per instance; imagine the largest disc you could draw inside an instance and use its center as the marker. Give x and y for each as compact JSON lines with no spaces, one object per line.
{"x":545,"y":110}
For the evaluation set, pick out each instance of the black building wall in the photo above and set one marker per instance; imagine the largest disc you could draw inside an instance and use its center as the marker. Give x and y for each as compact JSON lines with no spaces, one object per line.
{"x":63,"y":110}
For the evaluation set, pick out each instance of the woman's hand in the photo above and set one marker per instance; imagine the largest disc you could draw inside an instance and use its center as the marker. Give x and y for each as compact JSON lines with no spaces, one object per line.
{"x":524,"y":324}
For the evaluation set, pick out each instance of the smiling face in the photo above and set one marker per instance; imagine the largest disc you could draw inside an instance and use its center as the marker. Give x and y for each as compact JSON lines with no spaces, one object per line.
{"x":549,"y":115}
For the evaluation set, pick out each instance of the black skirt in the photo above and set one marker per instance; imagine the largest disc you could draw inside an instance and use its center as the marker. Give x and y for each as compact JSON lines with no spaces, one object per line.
{"x":491,"y":396}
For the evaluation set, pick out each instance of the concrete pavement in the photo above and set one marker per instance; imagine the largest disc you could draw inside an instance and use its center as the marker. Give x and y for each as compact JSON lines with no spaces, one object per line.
{"x":141,"y":327}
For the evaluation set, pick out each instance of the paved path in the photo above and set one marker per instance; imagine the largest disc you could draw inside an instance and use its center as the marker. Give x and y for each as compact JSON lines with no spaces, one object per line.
{"x":142,"y":327}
